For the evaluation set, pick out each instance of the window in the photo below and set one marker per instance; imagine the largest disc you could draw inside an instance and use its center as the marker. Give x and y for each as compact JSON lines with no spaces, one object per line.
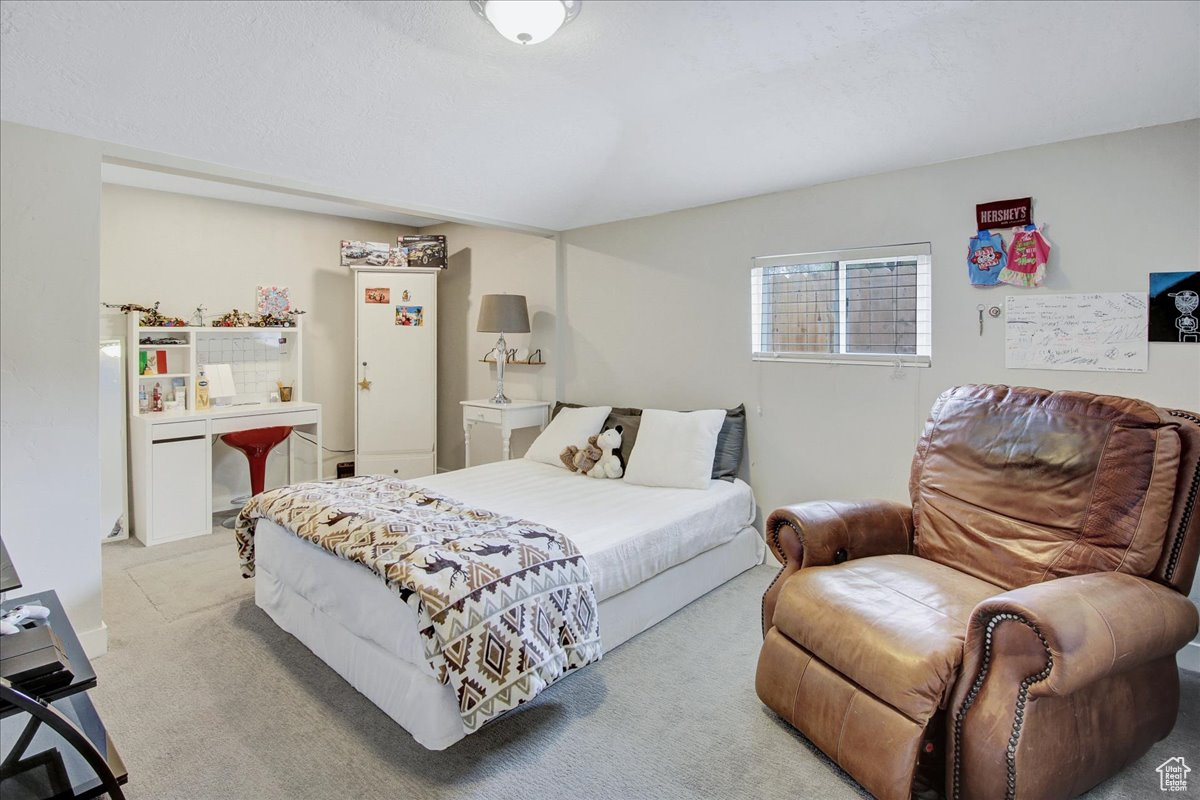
{"x":869,"y":305}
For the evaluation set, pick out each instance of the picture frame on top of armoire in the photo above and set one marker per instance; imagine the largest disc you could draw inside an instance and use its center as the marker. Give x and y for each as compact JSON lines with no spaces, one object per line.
{"x":365,"y":254}
{"x":372,"y":254}
{"x":427,"y":250}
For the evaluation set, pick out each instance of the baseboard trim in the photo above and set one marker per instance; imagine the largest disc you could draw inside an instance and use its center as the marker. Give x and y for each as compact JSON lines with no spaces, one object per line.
{"x":95,"y":641}
{"x":1189,"y":657}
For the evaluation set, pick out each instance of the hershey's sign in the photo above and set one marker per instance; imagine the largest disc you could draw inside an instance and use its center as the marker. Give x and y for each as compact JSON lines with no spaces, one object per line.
{"x":1004,"y":213}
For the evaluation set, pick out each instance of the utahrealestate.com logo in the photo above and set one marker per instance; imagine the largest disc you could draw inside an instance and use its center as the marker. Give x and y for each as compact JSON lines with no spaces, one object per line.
{"x":1172,"y":775}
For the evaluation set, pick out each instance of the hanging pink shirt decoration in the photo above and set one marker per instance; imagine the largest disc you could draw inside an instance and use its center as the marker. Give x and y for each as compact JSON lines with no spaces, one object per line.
{"x":1027,"y":255}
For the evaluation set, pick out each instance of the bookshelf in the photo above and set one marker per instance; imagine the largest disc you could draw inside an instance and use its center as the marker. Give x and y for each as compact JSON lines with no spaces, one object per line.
{"x":171,"y":357}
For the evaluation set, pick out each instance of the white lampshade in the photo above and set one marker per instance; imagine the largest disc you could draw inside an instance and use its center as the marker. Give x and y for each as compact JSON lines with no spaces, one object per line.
{"x":527,"y":21}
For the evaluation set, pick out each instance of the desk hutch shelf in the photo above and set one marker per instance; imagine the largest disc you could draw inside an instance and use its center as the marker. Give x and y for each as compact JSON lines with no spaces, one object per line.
{"x":171,"y":450}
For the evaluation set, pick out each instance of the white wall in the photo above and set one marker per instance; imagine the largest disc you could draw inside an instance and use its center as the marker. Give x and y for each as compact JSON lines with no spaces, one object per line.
{"x":49,"y":429}
{"x":183,"y":251}
{"x":488,"y":261}
{"x":657,"y":309}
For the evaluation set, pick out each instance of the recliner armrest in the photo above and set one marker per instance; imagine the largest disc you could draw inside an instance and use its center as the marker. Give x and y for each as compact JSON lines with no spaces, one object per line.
{"x":829,"y":532}
{"x":1086,"y":628}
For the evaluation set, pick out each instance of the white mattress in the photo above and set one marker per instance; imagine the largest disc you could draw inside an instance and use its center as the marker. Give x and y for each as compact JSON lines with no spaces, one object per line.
{"x":650,"y":551}
{"x":627,"y":533}
{"x":406,"y":690}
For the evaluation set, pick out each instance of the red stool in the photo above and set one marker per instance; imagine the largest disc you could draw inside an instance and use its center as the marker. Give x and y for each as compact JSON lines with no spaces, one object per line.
{"x":256,"y":444}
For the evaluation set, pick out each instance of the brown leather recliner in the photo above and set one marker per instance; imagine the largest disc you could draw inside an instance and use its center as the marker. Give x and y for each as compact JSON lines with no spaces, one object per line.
{"x":1013,"y":633}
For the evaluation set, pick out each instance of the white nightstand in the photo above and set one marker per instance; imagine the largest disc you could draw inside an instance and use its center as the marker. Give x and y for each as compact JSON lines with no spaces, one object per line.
{"x":509,"y":417}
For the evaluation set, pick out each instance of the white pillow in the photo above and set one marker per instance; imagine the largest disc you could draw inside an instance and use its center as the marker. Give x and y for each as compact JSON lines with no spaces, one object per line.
{"x":570,"y":426}
{"x":675,"y":448}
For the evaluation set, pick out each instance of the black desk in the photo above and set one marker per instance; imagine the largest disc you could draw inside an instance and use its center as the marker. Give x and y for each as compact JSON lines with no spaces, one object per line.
{"x":37,"y":761}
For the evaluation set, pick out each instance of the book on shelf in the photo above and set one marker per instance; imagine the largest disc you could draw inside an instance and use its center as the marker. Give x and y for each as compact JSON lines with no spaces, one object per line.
{"x":152,"y":363}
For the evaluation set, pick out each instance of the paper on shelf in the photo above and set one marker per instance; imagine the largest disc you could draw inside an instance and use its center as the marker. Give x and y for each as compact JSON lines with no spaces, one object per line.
{"x":220,"y":380}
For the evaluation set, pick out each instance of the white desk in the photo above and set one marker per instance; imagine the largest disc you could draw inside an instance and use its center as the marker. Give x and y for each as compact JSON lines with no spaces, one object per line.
{"x":172,"y":462}
{"x":507,"y":417}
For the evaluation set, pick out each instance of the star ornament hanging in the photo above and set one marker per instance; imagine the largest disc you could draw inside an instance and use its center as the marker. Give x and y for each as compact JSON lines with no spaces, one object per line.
{"x":364,"y":384}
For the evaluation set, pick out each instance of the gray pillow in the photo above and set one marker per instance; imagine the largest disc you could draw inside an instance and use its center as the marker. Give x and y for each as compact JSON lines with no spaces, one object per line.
{"x":729,"y":444}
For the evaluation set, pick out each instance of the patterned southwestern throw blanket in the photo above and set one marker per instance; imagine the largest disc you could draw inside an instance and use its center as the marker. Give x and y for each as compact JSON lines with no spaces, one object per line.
{"x":505,"y":606}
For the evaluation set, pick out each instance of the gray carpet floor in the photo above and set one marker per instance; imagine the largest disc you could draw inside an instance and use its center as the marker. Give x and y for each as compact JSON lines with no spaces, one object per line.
{"x":207,"y":699}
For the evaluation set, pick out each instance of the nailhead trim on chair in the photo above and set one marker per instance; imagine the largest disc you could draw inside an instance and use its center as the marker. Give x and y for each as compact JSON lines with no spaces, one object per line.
{"x":1019,"y":710}
{"x":774,"y":536}
{"x":1189,"y":505}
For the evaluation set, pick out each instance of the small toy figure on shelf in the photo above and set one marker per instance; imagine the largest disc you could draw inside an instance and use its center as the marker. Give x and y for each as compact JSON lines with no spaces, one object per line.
{"x":287,"y":320}
{"x":151,"y":318}
{"x":125,"y":308}
{"x":233,"y":319}
{"x":198,"y":315}
{"x":154,"y":319}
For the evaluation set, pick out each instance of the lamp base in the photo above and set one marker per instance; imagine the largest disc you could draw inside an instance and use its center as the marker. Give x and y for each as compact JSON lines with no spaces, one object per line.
{"x":501,"y":357}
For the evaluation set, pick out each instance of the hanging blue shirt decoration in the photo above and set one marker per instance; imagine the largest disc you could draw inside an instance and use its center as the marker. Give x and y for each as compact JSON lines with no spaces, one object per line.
{"x":985,"y":258}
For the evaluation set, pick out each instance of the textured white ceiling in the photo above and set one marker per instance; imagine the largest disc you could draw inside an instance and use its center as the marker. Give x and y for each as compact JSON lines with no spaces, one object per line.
{"x":223,"y":190}
{"x":633,"y":109}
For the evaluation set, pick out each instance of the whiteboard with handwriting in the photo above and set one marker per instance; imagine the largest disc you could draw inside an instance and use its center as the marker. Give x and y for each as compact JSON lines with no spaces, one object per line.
{"x":1096,"y":332}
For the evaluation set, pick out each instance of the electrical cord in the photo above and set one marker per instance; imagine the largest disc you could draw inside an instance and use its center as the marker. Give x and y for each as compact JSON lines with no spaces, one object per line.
{"x":300,"y":435}
{"x":323,"y":447}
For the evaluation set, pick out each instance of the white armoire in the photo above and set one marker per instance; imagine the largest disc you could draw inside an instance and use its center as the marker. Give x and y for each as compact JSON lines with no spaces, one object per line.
{"x":395,"y":364}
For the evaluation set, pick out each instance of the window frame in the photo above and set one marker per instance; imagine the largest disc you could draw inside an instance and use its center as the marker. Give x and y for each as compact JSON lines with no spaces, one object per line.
{"x":919,"y":251}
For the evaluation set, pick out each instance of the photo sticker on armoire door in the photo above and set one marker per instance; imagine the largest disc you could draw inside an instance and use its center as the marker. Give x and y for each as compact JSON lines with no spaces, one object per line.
{"x":410,"y":316}
{"x":378,"y":295}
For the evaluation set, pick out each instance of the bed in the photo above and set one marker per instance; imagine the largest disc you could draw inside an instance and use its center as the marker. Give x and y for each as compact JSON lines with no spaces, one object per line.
{"x":651,"y":551}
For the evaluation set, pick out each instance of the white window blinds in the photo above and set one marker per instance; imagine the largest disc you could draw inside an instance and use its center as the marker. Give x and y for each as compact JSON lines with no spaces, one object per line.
{"x":869,"y":305}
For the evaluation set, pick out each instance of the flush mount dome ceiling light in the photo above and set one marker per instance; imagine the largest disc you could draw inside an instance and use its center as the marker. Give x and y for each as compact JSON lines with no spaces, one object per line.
{"x":527,"y":21}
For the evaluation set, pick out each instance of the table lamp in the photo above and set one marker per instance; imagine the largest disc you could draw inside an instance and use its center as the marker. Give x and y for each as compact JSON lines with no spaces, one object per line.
{"x":502,"y":313}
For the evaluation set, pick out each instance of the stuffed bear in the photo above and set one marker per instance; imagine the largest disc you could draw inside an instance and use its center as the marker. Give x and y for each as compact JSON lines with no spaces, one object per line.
{"x":581,"y":459}
{"x":609,"y":464}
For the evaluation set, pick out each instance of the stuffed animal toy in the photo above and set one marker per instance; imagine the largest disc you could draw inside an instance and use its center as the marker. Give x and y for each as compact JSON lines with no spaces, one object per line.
{"x":581,"y":459}
{"x":609,"y":464}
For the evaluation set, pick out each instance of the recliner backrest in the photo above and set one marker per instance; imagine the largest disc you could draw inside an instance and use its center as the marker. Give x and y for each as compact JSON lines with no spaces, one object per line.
{"x":1177,"y":567}
{"x":1021,"y":485}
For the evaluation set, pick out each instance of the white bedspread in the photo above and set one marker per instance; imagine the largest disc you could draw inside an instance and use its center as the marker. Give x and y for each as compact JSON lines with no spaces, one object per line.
{"x":627,"y":533}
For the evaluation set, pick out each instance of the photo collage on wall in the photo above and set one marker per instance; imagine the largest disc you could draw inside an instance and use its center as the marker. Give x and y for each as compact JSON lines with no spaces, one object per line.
{"x":273,"y":301}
